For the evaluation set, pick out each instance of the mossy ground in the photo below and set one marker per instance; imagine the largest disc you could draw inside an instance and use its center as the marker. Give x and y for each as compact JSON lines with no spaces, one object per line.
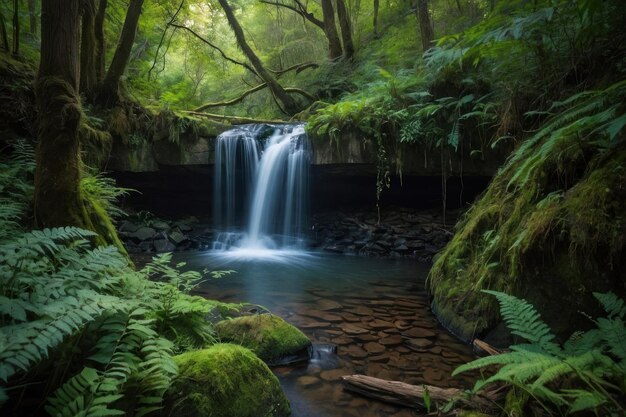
{"x":225,"y":380}
{"x":268,"y":336}
{"x":551,"y":228}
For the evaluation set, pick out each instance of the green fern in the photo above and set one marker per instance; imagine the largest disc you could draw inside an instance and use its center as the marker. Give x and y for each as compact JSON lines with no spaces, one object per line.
{"x":586,"y":373}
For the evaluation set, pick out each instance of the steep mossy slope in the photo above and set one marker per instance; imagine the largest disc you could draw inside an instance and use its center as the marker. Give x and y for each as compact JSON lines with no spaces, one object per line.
{"x":551,"y":227}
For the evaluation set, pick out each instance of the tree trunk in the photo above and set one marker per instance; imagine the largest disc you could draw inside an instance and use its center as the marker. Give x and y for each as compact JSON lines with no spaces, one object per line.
{"x":346,"y":30}
{"x":32,"y":16}
{"x":376,"y":7}
{"x":423,"y":19}
{"x":289,"y":105}
{"x":3,"y":33}
{"x":16,"y":27}
{"x":57,"y":198}
{"x":88,"y":49}
{"x":330,"y":29}
{"x":109,"y":94}
{"x":100,"y":40}
{"x":57,"y":177}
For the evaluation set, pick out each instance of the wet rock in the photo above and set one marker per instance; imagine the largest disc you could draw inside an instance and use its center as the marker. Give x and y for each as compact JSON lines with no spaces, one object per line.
{"x":160,"y":225}
{"x":419,"y":345}
{"x":366,"y":337}
{"x":326,"y":305}
{"x":349,"y":328}
{"x":355,"y":351}
{"x":391,"y":341}
{"x":307,"y":381}
{"x":128,"y":226}
{"x":144,"y":233}
{"x":373,"y":347}
{"x":418,"y":332}
{"x":380,"y":324}
{"x":163,"y":245}
{"x":333,"y":374}
{"x":146,"y":246}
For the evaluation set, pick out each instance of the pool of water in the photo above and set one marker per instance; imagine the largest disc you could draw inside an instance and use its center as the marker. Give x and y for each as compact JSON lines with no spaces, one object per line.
{"x":374,"y":310}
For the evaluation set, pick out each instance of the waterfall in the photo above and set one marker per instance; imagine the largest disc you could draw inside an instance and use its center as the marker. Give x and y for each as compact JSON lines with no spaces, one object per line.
{"x":264,"y":181}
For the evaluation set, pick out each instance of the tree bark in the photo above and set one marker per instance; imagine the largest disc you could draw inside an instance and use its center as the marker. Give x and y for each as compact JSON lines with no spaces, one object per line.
{"x":109,"y":94}
{"x":32,"y":16}
{"x":289,"y":105}
{"x":58,"y":200}
{"x":330,"y":29}
{"x":100,"y":40}
{"x":88,"y":49}
{"x":3,"y":33}
{"x":16,"y":27}
{"x":346,"y":30}
{"x":426,"y":28}
{"x":57,"y":176}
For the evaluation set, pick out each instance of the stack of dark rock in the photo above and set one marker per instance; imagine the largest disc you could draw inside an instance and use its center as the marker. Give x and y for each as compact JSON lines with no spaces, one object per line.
{"x":399,"y":232}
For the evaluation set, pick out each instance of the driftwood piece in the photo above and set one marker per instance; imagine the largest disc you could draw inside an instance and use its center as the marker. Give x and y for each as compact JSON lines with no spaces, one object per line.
{"x":407,"y":395}
{"x":483,"y":346}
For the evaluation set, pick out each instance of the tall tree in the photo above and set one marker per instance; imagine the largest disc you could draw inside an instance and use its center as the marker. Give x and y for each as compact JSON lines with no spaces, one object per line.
{"x":16,"y":27}
{"x":57,"y":176}
{"x":88,"y":49}
{"x":330,"y":29}
{"x":100,"y":39}
{"x":32,"y":17}
{"x":109,"y":92}
{"x":58,"y":200}
{"x":327,"y":24}
{"x":423,"y":18}
{"x":3,"y":33}
{"x":288,"y":104}
{"x":346,"y":30}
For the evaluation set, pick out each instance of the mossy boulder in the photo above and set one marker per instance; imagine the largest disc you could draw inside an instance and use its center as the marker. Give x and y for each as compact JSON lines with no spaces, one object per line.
{"x":225,"y":380}
{"x":551,"y":227}
{"x":267,"y":335}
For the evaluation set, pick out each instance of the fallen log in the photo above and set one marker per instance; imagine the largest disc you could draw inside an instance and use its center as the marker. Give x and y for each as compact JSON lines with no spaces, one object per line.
{"x":234,"y":120}
{"x":407,"y":395}
{"x":483,"y":346}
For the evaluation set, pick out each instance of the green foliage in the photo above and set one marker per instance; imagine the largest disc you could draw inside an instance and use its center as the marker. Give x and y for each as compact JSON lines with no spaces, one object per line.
{"x":556,"y":208}
{"x":103,"y":190}
{"x":587,"y":373}
{"x":109,"y":331}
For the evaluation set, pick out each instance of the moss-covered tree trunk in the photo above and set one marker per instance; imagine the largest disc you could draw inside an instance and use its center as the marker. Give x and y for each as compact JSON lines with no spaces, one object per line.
{"x":289,"y":105}
{"x":109,"y":94}
{"x":58,"y":200}
{"x":100,"y":39}
{"x":32,"y":18}
{"x":426,"y":28}
{"x":375,"y":22}
{"x":16,"y":27}
{"x":3,"y":33}
{"x":330,"y":29}
{"x":57,"y":177}
{"x":346,"y":30}
{"x":88,"y":49}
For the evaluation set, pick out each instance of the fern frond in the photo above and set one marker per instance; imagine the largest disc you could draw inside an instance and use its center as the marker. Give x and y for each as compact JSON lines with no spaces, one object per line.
{"x":524,"y":321}
{"x":612,"y":304}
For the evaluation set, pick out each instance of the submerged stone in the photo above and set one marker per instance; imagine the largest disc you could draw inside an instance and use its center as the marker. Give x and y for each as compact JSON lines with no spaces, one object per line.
{"x":270,"y":337}
{"x":225,"y":380}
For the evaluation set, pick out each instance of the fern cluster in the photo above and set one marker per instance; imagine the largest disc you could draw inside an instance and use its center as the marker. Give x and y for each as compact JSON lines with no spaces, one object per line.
{"x":81,"y":332}
{"x":586,"y":373}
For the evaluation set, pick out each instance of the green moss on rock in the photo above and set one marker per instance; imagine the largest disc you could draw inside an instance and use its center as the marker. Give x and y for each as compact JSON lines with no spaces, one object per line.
{"x":267,"y":335}
{"x":551,"y":227}
{"x":225,"y":380}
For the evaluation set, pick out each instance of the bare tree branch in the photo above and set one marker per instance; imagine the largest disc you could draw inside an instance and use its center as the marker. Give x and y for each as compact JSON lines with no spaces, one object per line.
{"x":217,"y":48}
{"x":300,"y":9}
{"x":156,"y":55}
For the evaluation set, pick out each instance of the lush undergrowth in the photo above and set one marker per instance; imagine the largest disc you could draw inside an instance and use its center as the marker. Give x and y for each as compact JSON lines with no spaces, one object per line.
{"x":83,"y":332}
{"x":553,"y":217}
{"x":586,"y":374}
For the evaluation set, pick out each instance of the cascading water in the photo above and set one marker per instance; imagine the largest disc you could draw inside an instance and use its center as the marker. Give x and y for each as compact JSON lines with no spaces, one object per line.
{"x":264,"y":180}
